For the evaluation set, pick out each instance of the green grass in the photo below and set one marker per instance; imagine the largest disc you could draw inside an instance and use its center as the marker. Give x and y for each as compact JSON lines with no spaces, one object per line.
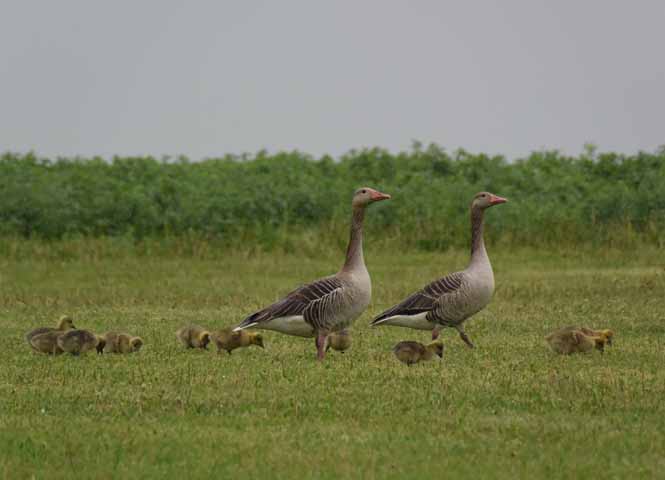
{"x":509,"y":408}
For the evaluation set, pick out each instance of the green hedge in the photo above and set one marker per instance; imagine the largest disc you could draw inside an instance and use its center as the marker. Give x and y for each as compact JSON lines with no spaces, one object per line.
{"x":265,"y":198}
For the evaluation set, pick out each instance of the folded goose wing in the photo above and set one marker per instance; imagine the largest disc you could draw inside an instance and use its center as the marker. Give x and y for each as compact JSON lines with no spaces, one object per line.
{"x":314,"y":301}
{"x":425,"y":300}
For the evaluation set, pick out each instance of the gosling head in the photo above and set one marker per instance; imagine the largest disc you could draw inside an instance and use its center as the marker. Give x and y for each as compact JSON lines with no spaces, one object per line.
{"x":205,"y":339}
{"x":483,"y":200}
{"x":136,"y":343}
{"x":437,"y":348}
{"x":257,"y":339}
{"x":365,"y":195}
{"x":608,"y":335}
{"x":66,"y":323}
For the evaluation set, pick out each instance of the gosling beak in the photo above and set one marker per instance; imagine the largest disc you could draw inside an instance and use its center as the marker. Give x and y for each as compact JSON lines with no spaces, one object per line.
{"x":377,"y":196}
{"x":495,"y":200}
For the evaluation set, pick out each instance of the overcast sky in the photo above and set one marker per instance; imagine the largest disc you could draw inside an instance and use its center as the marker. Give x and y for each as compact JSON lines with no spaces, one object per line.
{"x":85,"y":77}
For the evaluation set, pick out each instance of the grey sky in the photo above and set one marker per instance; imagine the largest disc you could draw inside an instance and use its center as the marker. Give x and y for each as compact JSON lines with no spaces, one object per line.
{"x":212,"y":77}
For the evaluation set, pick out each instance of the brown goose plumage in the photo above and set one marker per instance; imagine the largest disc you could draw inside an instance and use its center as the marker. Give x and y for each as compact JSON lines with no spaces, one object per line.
{"x":450,"y":300}
{"x":331,"y":303}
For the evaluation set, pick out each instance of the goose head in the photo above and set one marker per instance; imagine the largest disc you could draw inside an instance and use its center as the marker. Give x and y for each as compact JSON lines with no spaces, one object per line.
{"x":483,"y":200}
{"x":365,"y":195}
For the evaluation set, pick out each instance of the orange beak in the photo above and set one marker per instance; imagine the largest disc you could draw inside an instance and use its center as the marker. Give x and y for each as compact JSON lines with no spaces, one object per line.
{"x":495,"y":200}
{"x":376,"y":196}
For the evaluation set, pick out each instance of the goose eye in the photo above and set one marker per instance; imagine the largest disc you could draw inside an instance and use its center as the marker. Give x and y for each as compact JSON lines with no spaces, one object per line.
{"x":363,"y":191}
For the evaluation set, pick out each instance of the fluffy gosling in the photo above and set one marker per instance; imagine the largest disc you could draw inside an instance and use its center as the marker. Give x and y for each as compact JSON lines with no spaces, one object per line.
{"x":194,"y":336}
{"x":339,"y":341}
{"x":115,"y":342}
{"x":76,"y":342}
{"x":64,"y":323}
{"x":229,"y":340}
{"x":47,"y":342}
{"x":567,"y":341}
{"x":413,"y":352}
{"x":608,"y":335}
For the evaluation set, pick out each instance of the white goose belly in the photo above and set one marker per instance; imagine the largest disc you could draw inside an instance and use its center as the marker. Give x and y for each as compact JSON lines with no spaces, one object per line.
{"x":293,"y":325}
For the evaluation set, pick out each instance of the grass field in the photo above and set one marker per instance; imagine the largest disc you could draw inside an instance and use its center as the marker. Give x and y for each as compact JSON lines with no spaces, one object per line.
{"x":507,"y":409}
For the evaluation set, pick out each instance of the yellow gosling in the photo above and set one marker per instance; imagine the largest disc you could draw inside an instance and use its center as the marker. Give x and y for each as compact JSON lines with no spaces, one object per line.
{"x":76,"y":342}
{"x":229,"y":340}
{"x":339,"y":341}
{"x":65,"y":323}
{"x":121,"y":343}
{"x":608,"y":335}
{"x":413,"y":352}
{"x":567,"y":341}
{"x":47,"y":342}
{"x":194,"y":336}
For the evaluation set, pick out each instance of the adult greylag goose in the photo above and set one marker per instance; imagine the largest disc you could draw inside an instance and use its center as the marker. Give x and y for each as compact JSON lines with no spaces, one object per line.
{"x":449,"y":301}
{"x":329,"y":304}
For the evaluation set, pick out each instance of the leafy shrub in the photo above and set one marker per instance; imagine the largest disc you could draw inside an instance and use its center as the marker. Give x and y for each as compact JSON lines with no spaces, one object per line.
{"x":262,"y":199}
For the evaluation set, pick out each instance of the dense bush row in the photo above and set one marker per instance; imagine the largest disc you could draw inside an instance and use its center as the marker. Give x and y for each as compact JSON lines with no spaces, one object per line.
{"x":264,"y":198}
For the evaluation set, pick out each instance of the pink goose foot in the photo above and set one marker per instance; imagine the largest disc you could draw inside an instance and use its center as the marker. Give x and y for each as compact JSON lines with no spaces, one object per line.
{"x":321,"y":346}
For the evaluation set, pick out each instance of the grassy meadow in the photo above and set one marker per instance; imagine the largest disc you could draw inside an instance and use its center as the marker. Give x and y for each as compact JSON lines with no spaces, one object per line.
{"x":509,"y":408}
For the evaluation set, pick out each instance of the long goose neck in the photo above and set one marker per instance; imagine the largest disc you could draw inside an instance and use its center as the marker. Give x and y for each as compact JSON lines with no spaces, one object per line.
{"x":478,"y":252}
{"x":354,"y":251}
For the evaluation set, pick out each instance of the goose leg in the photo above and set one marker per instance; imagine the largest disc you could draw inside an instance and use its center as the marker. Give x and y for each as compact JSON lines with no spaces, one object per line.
{"x":465,"y":337}
{"x":321,"y":345}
